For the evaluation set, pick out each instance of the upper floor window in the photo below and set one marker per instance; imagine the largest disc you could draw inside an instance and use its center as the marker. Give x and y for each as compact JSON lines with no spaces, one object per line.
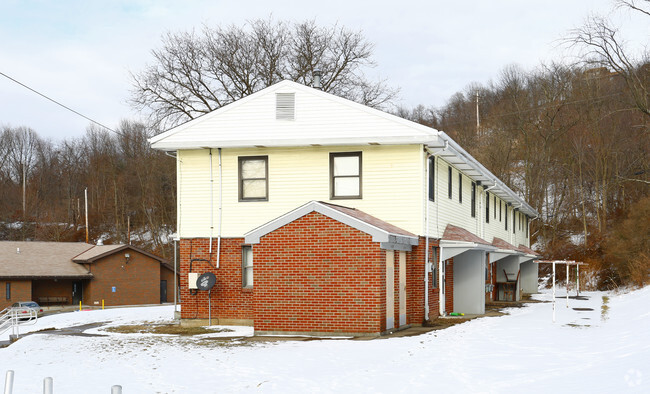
{"x":487,"y":207}
{"x":345,"y":175}
{"x":494,"y":199}
{"x":514,"y":220}
{"x":254,"y":178}
{"x":526,"y":225}
{"x":8,"y":290}
{"x":460,"y":188}
{"x":450,"y":186}
{"x":473,"y":199}
{"x":247,"y":266}
{"x":432,"y":178}
{"x":506,"y":221}
{"x":500,"y":206}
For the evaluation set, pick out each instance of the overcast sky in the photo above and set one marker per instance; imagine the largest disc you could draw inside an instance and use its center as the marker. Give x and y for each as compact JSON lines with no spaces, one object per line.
{"x":81,"y":52}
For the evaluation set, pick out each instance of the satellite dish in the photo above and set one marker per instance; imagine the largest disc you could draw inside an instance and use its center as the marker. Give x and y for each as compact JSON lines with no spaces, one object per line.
{"x":206,"y":281}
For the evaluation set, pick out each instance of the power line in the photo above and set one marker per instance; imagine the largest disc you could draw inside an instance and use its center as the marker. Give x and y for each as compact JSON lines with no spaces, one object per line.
{"x":59,"y":104}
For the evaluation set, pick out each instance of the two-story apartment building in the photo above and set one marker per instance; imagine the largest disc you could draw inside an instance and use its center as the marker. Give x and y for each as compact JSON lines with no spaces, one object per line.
{"x":320,"y":215}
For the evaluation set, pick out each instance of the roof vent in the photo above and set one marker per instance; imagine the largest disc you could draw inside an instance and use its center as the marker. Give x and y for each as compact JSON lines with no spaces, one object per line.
{"x":285,"y":106}
{"x":100,"y":242}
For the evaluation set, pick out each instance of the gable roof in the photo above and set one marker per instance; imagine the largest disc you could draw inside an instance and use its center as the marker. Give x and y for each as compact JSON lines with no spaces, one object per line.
{"x":389,"y":236}
{"x":42,"y":259}
{"x":320,"y":119}
{"x":56,"y":259}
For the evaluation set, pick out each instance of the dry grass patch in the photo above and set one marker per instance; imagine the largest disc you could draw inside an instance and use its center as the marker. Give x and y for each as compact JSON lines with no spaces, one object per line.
{"x":167,"y":329}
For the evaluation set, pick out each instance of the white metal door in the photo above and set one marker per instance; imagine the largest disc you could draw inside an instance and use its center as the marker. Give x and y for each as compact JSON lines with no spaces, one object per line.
{"x":390,"y":289}
{"x":402,"y":288}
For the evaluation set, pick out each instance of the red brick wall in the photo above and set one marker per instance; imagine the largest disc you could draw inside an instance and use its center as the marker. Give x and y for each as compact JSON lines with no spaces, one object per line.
{"x":415,"y":283}
{"x":136,"y":282}
{"x":21,"y":290}
{"x":449,"y":286}
{"x":229,"y":300}
{"x":316,"y":274}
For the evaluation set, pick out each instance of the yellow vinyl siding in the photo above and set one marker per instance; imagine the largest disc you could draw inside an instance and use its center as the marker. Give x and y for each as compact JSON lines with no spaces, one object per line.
{"x":391,"y":186}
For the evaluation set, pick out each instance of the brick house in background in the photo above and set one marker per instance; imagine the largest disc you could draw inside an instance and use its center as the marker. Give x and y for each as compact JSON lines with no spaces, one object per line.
{"x":318,"y":215}
{"x":65,"y":273}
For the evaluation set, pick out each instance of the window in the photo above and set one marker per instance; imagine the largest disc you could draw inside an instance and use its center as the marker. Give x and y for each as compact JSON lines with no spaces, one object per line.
{"x":500,"y":204}
{"x":506,"y":221}
{"x":460,"y":188}
{"x":495,"y":207}
{"x":247,"y":266}
{"x":473,"y":199}
{"x":345,"y":175}
{"x":514,"y":220}
{"x":8,"y":290}
{"x":487,"y":207}
{"x":432,"y":179}
{"x":449,"y":188}
{"x":526,"y":226}
{"x":254,"y":178}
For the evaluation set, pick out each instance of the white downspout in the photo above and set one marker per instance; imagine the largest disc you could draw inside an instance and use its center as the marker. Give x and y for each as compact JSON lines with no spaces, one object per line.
{"x":426,"y":237}
{"x":211,"y":203}
{"x":220,"y":209}
{"x":441,"y":295}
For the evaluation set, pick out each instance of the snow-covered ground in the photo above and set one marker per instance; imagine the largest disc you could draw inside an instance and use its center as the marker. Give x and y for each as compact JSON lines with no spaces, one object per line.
{"x":603,"y":350}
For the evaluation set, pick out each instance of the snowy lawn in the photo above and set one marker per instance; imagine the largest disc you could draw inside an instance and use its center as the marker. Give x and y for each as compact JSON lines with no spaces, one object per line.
{"x":605,"y":349}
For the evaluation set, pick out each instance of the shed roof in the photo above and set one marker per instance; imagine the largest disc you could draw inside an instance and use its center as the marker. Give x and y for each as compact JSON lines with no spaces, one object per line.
{"x":455,"y":233}
{"x":388,"y":235}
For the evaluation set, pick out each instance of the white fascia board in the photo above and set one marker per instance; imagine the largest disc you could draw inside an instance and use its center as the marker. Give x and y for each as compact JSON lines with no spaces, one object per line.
{"x":455,"y":155}
{"x":396,"y":140}
{"x":378,"y":235}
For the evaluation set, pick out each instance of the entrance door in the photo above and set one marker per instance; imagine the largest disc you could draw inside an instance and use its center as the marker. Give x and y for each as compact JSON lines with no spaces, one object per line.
{"x":163,"y":291}
{"x":402,"y":288}
{"x":390,"y":289}
{"x":77,"y":292}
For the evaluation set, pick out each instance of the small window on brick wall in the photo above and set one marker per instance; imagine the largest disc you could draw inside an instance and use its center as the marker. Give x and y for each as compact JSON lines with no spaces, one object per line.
{"x":8,"y":290}
{"x":247,"y":266}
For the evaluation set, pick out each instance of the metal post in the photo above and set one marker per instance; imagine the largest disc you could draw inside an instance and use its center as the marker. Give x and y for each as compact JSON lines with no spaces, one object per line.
{"x":48,"y":386}
{"x":9,"y":382}
{"x":86,"y":205}
{"x":117,"y":389}
{"x":175,"y":277}
{"x":554,"y":292}
{"x":577,"y":280}
{"x":567,"y":285}
{"x":209,"y":307}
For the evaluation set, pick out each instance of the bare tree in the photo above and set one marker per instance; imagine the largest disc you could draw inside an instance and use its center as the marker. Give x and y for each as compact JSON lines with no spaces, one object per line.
{"x":195,"y":73}
{"x":601,"y":45}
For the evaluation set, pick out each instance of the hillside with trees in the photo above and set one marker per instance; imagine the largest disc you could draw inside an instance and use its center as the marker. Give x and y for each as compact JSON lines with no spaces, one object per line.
{"x":572,"y":138}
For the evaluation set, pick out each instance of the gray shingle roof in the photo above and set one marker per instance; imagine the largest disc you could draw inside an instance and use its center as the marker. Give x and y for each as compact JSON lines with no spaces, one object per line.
{"x":42,"y":259}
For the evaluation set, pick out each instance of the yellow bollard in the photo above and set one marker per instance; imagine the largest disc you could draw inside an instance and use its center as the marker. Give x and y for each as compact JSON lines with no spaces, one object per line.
{"x":79,"y":306}
{"x":102,"y":304}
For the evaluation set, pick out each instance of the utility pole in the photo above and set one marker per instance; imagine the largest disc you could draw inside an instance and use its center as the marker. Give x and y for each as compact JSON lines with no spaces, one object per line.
{"x":478,"y":121}
{"x":86,"y":202}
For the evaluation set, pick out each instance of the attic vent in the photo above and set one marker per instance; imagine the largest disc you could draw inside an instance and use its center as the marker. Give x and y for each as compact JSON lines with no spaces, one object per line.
{"x":285,"y":106}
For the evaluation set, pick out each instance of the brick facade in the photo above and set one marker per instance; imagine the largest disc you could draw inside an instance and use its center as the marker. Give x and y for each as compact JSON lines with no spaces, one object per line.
{"x":20,"y":290}
{"x":317,"y":275}
{"x":230,"y":302}
{"x":136,"y":281}
{"x":313,"y":275}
